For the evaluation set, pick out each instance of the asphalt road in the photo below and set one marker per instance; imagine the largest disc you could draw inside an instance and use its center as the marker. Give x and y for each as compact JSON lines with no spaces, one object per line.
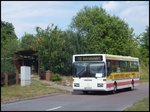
{"x":97,"y":101}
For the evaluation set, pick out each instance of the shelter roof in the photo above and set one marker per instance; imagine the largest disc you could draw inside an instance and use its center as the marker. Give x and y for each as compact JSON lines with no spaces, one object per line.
{"x":28,"y":52}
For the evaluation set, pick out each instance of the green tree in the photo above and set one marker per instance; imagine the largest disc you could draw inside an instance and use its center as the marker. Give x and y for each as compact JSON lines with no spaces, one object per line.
{"x":7,"y":33}
{"x":144,"y":44}
{"x":9,"y":45}
{"x":28,"y":41}
{"x":77,"y":42}
{"x":7,"y":30}
{"x":53,"y":49}
{"x":103,"y":33}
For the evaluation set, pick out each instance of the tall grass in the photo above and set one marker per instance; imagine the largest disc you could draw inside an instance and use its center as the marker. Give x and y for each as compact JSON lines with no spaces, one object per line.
{"x":142,"y":105}
{"x":144,"y":72}
{"x":16,"y":92}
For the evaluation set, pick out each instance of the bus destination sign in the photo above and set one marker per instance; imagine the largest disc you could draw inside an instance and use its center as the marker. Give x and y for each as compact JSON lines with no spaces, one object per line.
{"x":88,"y":58}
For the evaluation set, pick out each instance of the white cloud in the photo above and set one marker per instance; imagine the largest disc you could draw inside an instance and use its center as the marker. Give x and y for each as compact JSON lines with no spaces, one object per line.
{"x":137,"y":3}
{"x":111,"y":5}
{"x":135,"y":13}
{"x":31,"y":9}
{"x":28,"y":27}
{"x":137,"y":16}
{"x":26,"y":15}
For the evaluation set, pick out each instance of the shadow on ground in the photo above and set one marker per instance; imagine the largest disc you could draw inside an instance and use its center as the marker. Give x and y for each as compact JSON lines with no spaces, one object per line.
{"x":102,"y":92}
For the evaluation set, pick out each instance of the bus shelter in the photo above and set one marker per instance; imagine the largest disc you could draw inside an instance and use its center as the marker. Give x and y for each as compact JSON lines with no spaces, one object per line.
{"x":26,"y":58}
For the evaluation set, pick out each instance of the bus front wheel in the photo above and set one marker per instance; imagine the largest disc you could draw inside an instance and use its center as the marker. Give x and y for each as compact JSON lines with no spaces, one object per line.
{"x":85,"y":92}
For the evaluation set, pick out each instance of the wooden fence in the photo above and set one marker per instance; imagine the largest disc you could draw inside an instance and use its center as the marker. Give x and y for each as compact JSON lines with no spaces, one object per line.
{"x":9,"y":78}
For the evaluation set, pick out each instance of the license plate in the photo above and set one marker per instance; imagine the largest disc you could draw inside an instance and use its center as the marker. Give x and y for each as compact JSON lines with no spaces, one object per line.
{"x":88,"y":88}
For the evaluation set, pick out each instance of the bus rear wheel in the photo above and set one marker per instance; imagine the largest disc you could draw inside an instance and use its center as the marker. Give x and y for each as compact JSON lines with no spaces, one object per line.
{"x":132,"y":85}
{"x":115,"y":88}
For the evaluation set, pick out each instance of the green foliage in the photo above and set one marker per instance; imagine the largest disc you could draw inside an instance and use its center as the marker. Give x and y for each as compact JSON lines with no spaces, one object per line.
{"x":103,"y":33}
{"x":17,"y":92}
{"x":9,"y":44}
{"x":143,"y":40}
{"x":55,"y":77}
{"x":142,"y":105}
{"x":28,"y":41}
{"x":77,"y":43}
{"x":8,"y":31}
{"x":53,"y":48}
{"x":144,"y":72}
{"x":92,"y":30}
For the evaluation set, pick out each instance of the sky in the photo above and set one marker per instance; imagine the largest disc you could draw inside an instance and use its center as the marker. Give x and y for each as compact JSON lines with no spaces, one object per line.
{"x":27,"y":15}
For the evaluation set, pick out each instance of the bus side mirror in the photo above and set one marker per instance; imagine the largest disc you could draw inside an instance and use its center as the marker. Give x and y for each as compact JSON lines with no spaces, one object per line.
{"x":99,"y":75}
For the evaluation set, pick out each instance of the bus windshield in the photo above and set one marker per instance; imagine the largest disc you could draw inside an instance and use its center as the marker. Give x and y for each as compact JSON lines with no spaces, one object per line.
{"x":88,"y":69}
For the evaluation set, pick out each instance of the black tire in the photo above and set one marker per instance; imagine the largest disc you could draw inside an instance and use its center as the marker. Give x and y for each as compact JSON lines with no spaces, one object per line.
{"x":115,"y":88}
{"x":132,"y":86}
{"x":85,"y":92}
{"x":74,"y":92}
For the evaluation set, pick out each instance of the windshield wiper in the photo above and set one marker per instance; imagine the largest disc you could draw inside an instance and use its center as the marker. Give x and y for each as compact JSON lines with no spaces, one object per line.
{"x":80,"y":72}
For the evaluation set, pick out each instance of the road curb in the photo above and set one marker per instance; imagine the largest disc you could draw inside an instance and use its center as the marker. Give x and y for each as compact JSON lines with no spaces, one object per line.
{"x":65,"y":88}
{"x":30,"y":98}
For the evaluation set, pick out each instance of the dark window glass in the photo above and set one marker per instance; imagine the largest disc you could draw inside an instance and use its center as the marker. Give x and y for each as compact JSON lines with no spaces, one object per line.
{"x":115,"y":66}
{"x":88,"y":69}
{"x":124,"y":66}
{"x":88,"y":58}
{"x":112,"y":66}
{"x":134,"y":66}
{"x":121,"y":66}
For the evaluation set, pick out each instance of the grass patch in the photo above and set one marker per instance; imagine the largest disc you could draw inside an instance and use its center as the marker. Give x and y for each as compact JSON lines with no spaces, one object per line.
{"x":142,"y":105}
{"x":55,"y":77}
{"x":16,"y":92}
{"x":66,"y":81}
{"x":144,"y":73}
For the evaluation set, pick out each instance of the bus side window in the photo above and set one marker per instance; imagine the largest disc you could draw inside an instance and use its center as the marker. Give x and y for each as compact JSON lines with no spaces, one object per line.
{"x":108,"y":67}
{"x":114,"y":66}
{"x":134,"y":66}
{"x":124,"y":66}
{"x":128,"y":66}
{"x":118,"y":69}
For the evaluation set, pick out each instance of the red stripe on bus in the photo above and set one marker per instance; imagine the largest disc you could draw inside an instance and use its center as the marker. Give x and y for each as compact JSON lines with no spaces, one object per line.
{"x":110,"y":85}
{"x":121,"y":83}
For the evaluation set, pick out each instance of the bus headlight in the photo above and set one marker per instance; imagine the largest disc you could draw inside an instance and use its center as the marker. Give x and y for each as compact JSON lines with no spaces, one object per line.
{"x":76,"y":84}
{"x":99,"y":84}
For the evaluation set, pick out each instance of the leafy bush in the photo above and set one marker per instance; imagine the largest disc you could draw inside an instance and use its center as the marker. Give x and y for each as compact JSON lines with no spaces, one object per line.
{"x":144,"y":73}
{"x":55,"y":77}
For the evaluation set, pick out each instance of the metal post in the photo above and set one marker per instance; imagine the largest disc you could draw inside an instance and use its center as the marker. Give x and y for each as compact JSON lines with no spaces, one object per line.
{"x":39,"y":71}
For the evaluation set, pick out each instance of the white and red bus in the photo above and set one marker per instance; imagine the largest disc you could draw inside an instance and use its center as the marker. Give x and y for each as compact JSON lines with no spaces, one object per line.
{"x":104,"y":72}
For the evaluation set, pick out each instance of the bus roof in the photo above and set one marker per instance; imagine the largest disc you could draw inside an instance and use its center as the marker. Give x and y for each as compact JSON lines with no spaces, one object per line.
{"x":111,"y":57}
{"x":120,"y":57}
